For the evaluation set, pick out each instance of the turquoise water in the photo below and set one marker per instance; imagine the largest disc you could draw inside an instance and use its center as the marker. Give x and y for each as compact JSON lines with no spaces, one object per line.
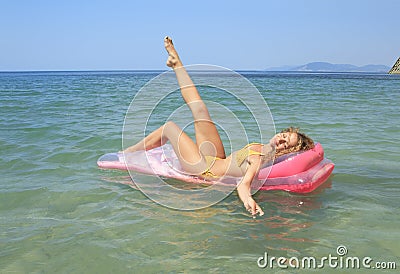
{"x":60,"y":213}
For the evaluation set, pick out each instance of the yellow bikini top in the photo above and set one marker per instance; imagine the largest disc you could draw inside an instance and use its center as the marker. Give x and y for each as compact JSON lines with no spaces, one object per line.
{"x":241,"y":155}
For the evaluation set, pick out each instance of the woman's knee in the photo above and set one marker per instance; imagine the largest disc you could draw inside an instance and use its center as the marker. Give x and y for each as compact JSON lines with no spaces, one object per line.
{"x":168,"y":126}
{"x":171,"y":130}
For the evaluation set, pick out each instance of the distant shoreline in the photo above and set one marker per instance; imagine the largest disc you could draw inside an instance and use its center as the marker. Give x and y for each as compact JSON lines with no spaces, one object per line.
{"x":329,"y":67}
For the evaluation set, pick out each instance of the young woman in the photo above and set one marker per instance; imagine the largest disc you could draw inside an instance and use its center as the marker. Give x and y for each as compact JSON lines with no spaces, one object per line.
{"x":206,"y":157}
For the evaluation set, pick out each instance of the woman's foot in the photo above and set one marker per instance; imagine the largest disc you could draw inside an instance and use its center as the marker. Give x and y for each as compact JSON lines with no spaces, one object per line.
{"x":173,"y":58}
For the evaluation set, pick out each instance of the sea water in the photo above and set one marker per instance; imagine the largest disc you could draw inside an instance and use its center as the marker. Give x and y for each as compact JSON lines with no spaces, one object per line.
{"x":60,"y":213}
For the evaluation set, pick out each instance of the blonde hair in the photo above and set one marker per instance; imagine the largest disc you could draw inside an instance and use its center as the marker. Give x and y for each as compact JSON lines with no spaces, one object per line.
{"x":304,"y":142}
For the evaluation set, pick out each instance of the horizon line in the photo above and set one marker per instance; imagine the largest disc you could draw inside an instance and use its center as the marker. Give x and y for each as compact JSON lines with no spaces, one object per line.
{"x":164,"y":70}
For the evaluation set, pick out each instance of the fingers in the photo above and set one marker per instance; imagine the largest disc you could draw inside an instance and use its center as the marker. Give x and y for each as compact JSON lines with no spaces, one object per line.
{"x":253,"y":208}
{"x":259,"y":210}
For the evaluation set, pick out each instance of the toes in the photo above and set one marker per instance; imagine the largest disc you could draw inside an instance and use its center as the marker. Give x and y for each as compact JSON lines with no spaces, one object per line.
{"x":168,"y":41}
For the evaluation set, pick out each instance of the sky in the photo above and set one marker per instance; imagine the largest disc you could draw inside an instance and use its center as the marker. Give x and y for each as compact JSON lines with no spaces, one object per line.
{"x":239,"y":35}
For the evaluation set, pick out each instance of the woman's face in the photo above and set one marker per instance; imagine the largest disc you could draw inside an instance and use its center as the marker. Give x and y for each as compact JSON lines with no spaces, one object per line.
{"x":284,"y":140}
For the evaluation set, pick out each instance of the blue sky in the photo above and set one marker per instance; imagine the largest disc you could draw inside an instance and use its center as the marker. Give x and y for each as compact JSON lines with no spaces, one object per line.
{"x":116,"y":34}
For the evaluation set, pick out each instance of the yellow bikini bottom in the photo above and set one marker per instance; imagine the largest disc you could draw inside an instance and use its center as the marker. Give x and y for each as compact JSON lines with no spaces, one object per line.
{"x":210,"y":162}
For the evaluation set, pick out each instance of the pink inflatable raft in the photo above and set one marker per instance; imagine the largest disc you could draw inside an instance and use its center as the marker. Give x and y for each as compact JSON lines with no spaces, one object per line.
{"x":300,"y":172}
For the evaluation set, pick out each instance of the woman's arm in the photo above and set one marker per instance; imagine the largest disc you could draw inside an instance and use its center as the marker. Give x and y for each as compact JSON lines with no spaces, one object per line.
{"x":244,"y":188}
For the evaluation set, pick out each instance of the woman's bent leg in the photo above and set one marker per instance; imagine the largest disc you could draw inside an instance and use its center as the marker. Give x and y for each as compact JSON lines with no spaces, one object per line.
{"x":190,"y":158}
{"x":207,"y":137}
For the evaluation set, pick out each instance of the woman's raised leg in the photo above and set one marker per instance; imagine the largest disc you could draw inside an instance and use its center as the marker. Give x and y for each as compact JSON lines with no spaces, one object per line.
{"x":207,"y":137}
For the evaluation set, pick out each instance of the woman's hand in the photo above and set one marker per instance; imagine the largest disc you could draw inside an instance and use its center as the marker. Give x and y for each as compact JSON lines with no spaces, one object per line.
{"x":252,"y":207}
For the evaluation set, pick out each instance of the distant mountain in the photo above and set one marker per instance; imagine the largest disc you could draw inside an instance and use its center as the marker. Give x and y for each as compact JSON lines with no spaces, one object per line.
{"x":328,"y":67}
